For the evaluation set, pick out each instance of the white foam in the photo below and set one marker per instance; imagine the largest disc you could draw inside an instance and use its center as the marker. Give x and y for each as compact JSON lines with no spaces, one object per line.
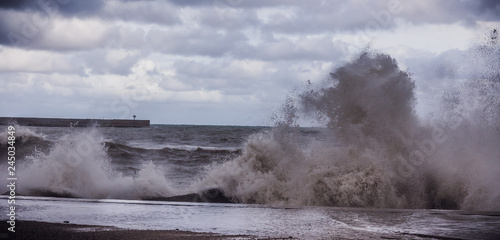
{"x":78,"y":166}
{"x":21,"y":133}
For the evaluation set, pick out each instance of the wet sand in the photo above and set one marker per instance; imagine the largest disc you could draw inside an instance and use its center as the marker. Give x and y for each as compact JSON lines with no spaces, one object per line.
{"x":67,"y":231}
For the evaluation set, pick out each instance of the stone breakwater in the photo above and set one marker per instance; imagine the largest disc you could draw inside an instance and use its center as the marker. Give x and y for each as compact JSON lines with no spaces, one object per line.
{"x":73,"y":122}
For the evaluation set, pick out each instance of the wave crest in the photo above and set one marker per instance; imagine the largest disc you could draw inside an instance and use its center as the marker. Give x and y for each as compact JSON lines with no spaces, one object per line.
{"x":23,"y":135}
{"x":77,"y":165}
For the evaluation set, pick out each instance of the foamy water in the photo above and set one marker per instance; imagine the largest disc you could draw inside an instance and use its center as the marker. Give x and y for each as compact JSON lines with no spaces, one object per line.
{"x":261,"y":220}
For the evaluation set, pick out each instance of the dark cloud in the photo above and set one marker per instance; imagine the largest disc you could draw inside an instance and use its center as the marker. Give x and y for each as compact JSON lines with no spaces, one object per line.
{"x":466,"y":12}
{"x":24,"y":23}
{"x":81,"y":8}
{"x":19,"y":28}
{"x":488,"y":4}
{"x":290,"y":17}
{"x":484,"y":9}
{"x":65,"y":7}
{"x":31,"y":31}
{"x":15,"y":4}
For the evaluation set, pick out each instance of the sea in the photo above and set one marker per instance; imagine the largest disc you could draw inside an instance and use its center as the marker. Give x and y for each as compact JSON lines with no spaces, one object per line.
{"x":368,"y":166}
{"x":101,"y":176}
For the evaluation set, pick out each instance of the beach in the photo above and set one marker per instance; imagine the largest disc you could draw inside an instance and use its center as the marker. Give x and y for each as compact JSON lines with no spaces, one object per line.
{"x":58,"y":218}
{"x":68,"y":231}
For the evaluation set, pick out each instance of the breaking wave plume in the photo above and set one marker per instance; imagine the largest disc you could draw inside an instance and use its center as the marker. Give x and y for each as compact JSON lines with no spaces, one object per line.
{"x":380,"y":154}
{"x":77,"y":165}
{"x":22,"y":134}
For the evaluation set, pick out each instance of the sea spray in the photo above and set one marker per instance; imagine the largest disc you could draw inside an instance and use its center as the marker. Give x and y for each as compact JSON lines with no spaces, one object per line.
{"x":386,"y":156}
{"x":469,"y":114}
{"x":77,"y":165}
{"x":275,"y":168}
{"x":23,"y":134}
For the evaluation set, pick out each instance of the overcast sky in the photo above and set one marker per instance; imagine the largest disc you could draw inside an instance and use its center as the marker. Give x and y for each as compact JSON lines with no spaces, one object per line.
{"x":210,"y":62}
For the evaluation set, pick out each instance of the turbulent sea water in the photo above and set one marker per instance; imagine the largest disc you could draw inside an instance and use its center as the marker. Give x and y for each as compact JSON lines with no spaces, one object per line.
{"x":373,"y":168}
{"x":122,"y":163}
{"x":116,"y":169}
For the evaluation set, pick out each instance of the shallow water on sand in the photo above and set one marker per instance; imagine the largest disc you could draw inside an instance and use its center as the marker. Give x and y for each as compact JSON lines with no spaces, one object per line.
{"x":261,"y":220}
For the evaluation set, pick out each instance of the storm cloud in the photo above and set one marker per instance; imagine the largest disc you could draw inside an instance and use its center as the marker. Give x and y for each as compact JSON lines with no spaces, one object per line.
{"x":236,"y":60}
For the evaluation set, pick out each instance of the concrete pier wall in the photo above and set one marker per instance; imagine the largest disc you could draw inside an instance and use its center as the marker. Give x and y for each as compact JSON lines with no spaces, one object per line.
{"x":71,"y":122}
